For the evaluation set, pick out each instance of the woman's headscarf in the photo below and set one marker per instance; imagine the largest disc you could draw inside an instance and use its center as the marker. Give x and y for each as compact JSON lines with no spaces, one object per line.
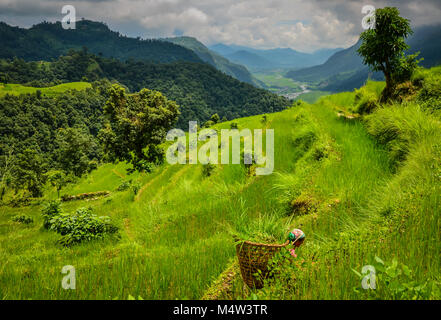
{"x":296,"y":235}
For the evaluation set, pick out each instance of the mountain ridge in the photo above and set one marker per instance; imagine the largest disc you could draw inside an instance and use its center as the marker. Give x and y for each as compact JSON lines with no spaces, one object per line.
{"x":277,"y":58}
{"x":221,"y":63}
{"x":45,"y":41}
{"x":345,"y":71}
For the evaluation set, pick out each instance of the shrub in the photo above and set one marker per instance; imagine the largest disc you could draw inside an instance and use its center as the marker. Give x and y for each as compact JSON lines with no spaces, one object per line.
{"x":304,"y":138}
{"x":21,"y":199}
{"x":396,"y":281}
{"x":405,"y":68}
{"x":430,"y":94}
{"x":50,"y":210}
{"x":23,"y":219}
{"x":207,"y":169}
{"x":135,"y":188}
{"x":234,"y":125}
{"x":365,"y":101}
{"x":125,"y":185}
{"x":81,"y":226}
{"x":398,"y":127}
{"x":208,"y":124}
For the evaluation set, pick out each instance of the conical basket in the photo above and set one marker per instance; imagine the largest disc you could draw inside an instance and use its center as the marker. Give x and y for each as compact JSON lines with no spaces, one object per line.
{"x":253,"y":260}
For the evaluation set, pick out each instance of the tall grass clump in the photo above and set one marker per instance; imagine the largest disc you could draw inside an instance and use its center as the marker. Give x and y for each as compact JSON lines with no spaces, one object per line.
{"x":268,"y":227}
{"x":365,"y":101}
{"x":399,"y":127}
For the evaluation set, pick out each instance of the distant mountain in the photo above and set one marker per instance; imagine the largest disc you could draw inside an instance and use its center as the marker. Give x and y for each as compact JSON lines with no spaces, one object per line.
{"x":47,"y":41}
{"x":224,"y":49}
{"x":216,"y":60}
{"x":344,"y":61}
{"x":279,"y":58}
{"x":251,"y":60}
{"x":345,"y":70}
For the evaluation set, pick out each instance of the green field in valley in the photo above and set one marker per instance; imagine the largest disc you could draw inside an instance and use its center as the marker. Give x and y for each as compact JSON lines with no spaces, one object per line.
{"x":17,"y":89}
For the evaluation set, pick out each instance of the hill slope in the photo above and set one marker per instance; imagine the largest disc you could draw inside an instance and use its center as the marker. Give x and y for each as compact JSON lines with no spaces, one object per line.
{"x":251,"y":60}
{"x":345,"y":70}
{"x":17,"y":89}
{"x":46,"y":41}
{"x":235,"y":70}
{"x":336,"y":178}
{"x":270,"y":59}
{"x":198,"y":88}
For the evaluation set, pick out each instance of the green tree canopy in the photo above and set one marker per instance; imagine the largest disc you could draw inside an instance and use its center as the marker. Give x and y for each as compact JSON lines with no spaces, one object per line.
{"x":383,"y":47}
{"x":29,"y":172}
{"x":137,"y":124}
{"x":77,"y":151}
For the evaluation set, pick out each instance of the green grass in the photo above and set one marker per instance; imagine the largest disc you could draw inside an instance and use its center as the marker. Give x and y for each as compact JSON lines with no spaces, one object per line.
{"x":277,"y":80}
{"x":313,"y":96}
{"x":359,"y":201}
{"x":17,"y":89}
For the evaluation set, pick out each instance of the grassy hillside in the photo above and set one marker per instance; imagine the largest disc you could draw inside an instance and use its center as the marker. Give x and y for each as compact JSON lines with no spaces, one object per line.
{"x":17,"y":89}
{"x":363,"y":191}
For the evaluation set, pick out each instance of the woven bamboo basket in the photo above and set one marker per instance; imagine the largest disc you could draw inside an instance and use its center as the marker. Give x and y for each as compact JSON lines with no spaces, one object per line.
{"x":254,"y":257}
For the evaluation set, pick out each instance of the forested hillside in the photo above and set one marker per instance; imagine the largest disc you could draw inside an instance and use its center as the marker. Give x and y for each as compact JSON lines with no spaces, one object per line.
{"x":49,"y":129}
{"x":232,"y":69}
{"x":46,"y":41}
{"x":198,"y":88}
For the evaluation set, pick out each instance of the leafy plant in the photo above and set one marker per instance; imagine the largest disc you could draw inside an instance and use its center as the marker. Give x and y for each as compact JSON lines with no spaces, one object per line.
{"x":135,"y":188}
{"x":124,"y":185}
{"x":50,"y":210}
{"x":81,"y":226}
{"x":23,"y":219}
{"x":136,"y":126}
{"x":396,"y":281}
{"x":207,"y":169}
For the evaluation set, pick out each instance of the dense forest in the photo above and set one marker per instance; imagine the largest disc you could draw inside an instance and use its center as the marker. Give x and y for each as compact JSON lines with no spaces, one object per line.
{"x":57,"y":137}
{"x":42,"y":133}
{"x":198,"y":88}
{"x":46,"y":41}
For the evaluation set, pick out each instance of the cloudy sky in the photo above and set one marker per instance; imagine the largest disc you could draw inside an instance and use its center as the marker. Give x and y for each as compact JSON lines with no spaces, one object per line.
{"x":298,"y":24}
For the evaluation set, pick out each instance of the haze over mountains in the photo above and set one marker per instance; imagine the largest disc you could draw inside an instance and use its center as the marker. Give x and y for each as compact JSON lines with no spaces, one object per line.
{"x":278,"y":58}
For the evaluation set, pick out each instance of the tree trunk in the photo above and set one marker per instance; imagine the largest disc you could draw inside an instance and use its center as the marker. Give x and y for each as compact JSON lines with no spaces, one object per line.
{"x":387,"y":92}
